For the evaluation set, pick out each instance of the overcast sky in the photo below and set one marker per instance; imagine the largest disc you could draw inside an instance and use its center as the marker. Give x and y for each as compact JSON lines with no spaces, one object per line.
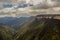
{"x":9,"y":1}
{"x":27,"y":1}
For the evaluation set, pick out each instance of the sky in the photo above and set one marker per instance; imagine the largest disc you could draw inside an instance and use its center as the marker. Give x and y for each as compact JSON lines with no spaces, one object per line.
{"x":25,"y":12}
{"x":16,"y":1}
{"x":28,"y":1}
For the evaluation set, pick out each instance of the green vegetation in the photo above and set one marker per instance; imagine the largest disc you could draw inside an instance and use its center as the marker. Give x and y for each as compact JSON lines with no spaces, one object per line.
{"x":42,"y":29}
{"x":6,"y":33}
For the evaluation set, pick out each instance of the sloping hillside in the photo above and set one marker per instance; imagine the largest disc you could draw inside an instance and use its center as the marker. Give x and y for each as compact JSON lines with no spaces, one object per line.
{"x":6,"y":33}
{"x":42,"y":29}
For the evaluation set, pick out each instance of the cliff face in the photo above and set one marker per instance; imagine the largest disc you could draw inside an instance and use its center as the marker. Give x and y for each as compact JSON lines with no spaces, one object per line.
{"x":50,"y":16}
{"x":42,"y":29}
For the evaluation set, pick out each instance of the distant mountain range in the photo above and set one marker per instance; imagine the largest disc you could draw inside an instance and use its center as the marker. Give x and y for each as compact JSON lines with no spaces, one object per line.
{"x":15,"y":22}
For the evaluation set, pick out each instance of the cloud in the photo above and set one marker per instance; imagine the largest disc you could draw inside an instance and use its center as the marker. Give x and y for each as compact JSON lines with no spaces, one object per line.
{"x":28,"y":11}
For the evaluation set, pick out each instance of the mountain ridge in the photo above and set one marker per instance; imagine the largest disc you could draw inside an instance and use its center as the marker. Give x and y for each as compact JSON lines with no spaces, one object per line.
{"x":37,"y":30}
